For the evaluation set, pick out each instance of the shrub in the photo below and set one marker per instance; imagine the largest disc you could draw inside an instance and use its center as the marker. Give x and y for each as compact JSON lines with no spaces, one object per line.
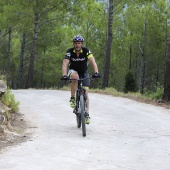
{"x":130,"y":83}
{"x":9,"y":100}
{"x":157,"y":95}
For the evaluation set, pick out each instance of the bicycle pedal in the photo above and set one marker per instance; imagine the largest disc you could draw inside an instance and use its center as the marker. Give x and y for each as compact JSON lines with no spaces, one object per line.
{"x":74,"y":110}
{"x":86,"y":114}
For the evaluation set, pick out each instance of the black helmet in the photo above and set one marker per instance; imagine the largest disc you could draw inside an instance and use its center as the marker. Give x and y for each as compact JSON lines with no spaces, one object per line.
{"x":78,"y":38}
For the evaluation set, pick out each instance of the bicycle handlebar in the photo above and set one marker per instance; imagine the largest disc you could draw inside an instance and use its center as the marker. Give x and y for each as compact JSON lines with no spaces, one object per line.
{"x":81,"y":79}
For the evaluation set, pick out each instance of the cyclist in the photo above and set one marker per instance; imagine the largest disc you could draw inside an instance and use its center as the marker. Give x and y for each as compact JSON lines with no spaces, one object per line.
{"x":76,"y":61}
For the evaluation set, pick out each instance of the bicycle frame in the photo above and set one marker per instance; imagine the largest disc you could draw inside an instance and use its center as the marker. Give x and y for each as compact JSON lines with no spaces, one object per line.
{"x":81,"y":105}
{"x":80,"y":91}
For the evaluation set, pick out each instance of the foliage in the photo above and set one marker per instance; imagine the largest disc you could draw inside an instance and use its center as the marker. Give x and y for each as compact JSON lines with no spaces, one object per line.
{"x":58,"y":21}
{"x":9,"y":100}
{"x":130,"y":83}
{"x":2,"y":76}
{"x":157,"y":95}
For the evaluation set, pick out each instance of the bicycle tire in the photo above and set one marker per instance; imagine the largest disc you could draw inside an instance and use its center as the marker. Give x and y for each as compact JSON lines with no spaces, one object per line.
{"x":78,"y":118}
{"x":82,"y":105}
{"x":78,"y":114}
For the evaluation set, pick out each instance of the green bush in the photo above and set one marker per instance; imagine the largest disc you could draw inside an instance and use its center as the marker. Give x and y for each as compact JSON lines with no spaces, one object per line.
{"x":130,"y":83}
{"x":157,"y":95}
{"x":9,"y":100}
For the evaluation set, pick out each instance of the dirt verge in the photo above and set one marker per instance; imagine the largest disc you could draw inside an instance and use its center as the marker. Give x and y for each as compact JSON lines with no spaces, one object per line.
{"x":14,"y":133}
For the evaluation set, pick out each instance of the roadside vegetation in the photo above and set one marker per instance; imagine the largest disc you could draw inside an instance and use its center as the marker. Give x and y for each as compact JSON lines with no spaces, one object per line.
{"x":154,"y":98}
{"x":8,"y":99}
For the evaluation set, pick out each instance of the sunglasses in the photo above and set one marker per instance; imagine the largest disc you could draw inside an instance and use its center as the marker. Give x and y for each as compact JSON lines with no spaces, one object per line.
{"x":78,"y":39}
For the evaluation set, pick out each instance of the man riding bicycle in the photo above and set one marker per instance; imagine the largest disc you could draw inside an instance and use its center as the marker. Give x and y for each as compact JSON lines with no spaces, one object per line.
{"x":76,"y":60}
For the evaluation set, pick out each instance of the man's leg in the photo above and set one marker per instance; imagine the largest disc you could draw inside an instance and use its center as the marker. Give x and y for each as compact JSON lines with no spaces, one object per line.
{"x":86,"y":84}
{"x":87,"y":111}
{"x":87,"y":100}
{"x":73,"y":75}
{"x":74,"y":83}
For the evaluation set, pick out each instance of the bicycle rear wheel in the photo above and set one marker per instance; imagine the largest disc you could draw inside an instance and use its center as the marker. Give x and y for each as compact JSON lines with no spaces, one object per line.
{"x":82,"y":104}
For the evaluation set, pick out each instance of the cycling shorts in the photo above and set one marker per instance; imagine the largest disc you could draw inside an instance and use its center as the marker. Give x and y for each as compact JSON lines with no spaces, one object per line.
{"x":86,"y":82}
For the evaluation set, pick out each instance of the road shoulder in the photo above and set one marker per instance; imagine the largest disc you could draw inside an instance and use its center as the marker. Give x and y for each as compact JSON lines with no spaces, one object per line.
{"x":17,"y":132}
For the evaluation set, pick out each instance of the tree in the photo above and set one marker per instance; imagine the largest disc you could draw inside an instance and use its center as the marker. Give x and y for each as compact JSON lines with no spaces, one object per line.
{"x":9,"y":55}
{"x":166,"y":96}
{"x":143,"y":58}
{"x":105,"y":80}
{"x":21,"y":65}
{"x":129,"y":36}
{"x":40,"y":12}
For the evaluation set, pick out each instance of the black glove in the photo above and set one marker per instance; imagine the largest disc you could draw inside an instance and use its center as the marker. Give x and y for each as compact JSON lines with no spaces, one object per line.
{"x":65,"y":77}
{"x":96,"y":75}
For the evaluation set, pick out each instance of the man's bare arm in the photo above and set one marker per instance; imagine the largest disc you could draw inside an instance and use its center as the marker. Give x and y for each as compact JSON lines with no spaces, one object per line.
{"x":64,"y":66}
{"x":94,"y":65}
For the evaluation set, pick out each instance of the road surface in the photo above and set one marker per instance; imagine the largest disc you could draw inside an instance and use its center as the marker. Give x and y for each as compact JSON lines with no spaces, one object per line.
{"x":123,"y":135}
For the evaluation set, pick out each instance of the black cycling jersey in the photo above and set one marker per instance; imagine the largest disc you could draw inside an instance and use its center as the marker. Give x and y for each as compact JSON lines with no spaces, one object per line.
{"x":78,"y":63}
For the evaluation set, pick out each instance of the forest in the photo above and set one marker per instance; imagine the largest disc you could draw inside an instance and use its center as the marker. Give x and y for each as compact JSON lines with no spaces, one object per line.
{"x":130,"y":41}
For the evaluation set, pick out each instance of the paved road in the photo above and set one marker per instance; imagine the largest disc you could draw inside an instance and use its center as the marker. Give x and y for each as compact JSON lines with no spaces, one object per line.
{"x":123,"y":135}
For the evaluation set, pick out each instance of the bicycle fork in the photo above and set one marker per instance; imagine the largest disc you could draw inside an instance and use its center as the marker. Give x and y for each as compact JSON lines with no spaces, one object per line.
{"x":77,"y":109}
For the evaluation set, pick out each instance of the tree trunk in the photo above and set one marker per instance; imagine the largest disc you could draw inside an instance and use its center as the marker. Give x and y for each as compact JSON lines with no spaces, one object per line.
{"x":166,"y":96}
{"x":143,"y":60}
{"x":106,"y":69}
{"x":42,"y":72}
{"x":42,"y":76}
{"x":130,"y":59}
{"x":20,"y":70}
{"x":32,"y":55}
{"x":9,"y":55}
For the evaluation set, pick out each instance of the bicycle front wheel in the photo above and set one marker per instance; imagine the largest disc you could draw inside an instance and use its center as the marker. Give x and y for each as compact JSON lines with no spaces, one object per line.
{"x":78,"y":108}
{"x":78,"y":118}
{"x":82,"y":105}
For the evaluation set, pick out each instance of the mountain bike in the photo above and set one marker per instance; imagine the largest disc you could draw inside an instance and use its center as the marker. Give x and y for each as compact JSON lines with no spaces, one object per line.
{"x":81,"y":105}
